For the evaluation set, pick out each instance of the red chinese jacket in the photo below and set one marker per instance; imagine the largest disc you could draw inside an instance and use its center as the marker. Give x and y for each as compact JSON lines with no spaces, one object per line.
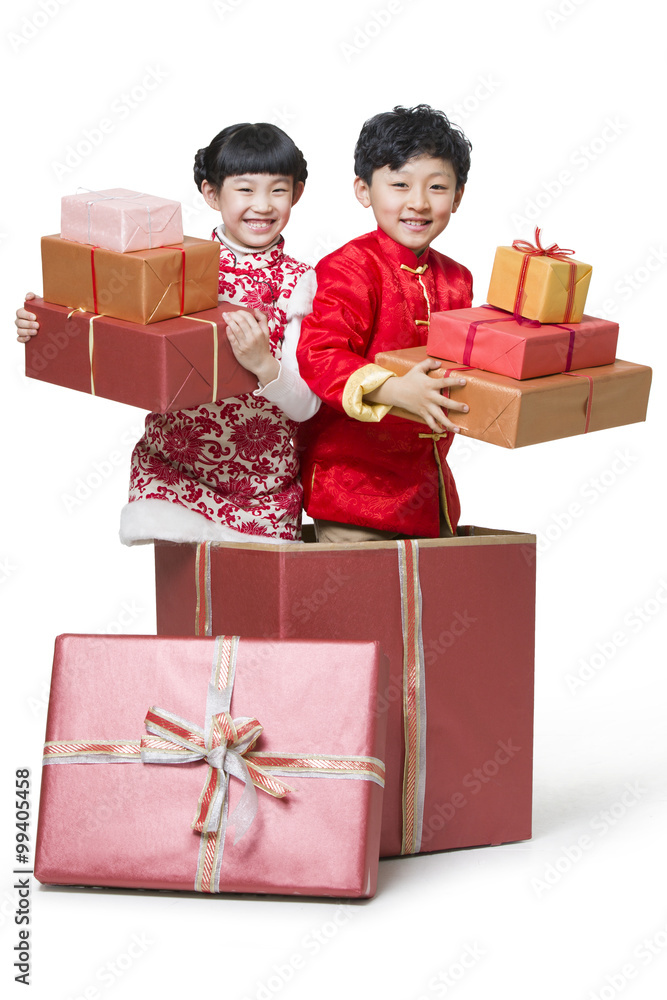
{"x":360,"y":465}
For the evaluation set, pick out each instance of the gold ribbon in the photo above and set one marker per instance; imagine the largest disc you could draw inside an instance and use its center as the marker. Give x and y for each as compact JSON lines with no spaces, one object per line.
{"x":215,"y":353}
{"x":91,"y":343}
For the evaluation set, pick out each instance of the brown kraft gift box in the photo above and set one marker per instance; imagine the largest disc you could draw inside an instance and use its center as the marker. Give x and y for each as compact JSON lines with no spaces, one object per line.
{"x":513,"y":413}
{"x":468,"y":736}
{"x":173,"y":365}
{"x":144,"y":286}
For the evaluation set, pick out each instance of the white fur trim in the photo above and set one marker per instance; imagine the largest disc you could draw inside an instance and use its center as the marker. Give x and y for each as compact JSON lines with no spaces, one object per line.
{"x":148,"y":520}
{"x":300,"y":302}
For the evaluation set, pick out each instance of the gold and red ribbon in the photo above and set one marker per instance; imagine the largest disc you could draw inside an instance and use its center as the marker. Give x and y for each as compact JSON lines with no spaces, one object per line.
{"x":227,"y":746}
{"x":529,"y":251}
{"x":414,"y":697}
{"x":203,"y":603}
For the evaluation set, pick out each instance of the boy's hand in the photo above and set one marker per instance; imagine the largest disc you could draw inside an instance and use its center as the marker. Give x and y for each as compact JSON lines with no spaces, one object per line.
{"x":421,"y":394}
{"x":248,"y":333}
{"x":26,"y":322}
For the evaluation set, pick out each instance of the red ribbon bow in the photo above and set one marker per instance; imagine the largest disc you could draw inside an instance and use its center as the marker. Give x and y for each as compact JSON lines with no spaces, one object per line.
{"x":557,"y":253}
{"x":523,"y":246}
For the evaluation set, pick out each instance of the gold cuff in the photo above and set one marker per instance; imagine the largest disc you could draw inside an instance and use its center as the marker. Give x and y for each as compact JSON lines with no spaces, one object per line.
{"x":365,"y":380}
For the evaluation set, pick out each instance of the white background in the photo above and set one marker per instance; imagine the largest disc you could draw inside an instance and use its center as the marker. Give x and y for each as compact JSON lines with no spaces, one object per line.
{"x":539,"y":92}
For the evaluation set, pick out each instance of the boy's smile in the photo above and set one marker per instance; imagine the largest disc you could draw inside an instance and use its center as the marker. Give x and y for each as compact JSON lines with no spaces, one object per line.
{"x":414,"y":203}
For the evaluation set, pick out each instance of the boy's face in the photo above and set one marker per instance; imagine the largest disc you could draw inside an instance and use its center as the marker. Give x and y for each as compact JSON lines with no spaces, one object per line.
{"x":414,"y":203}
{"x":255,"y":208}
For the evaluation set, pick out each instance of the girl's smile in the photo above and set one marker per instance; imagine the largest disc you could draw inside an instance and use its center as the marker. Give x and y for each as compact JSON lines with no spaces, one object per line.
{"x":255,"y":208}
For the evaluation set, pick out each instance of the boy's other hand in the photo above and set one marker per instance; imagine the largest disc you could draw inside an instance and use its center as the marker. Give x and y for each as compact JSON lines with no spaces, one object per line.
{"x":26,"y":322}
{"x":421,"y":394}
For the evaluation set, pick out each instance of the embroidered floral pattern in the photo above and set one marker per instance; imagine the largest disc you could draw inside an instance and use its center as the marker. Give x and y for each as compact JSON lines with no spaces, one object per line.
{"x":233,"y":461}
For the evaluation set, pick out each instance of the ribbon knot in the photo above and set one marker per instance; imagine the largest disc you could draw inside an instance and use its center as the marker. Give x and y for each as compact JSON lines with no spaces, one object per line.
{"x":556,"y":253}
{"x":223,"y":746}
{"x":537,"y":250}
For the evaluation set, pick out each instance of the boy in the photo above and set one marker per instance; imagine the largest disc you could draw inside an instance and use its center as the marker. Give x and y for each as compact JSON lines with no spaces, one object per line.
{"x":368,"y":475}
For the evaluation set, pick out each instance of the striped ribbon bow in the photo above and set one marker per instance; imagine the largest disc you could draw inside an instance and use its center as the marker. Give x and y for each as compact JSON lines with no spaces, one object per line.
{"x":223,"y":745}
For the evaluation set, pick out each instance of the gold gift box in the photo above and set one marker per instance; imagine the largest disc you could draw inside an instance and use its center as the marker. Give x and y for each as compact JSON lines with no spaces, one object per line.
{"x":546,"y":286}
{"x":143,"y":286}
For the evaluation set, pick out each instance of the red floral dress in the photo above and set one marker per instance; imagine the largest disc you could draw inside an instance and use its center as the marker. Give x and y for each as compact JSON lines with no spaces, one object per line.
{"x":234,"y":461}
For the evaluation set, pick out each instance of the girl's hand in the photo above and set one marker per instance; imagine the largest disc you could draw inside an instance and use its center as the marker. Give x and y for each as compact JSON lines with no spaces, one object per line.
{"x":248,"y":333}
{"x":26,"y":323}
{"x":421,"y":394}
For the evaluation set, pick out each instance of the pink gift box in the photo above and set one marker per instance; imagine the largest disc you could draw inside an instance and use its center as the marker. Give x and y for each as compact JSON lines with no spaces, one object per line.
{"x":493,"y":340}
{"x":109,"y":818}
{"x":120,"y":219}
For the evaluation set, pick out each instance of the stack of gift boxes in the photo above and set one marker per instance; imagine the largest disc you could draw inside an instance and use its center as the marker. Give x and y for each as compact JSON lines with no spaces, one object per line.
{"x":130,"y":309}
{"x":536,"y":367}
{"x":380,"y":699}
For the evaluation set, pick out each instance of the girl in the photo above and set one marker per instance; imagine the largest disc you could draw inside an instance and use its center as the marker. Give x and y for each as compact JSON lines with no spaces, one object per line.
{"x":229,"y":470}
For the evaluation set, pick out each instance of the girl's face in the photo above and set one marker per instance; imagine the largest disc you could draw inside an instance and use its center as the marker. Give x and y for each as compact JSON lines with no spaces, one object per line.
{"x":255,"y":208}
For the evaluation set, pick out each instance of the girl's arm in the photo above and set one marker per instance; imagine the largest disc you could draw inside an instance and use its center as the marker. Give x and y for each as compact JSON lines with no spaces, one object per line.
{"x":288,"y":390}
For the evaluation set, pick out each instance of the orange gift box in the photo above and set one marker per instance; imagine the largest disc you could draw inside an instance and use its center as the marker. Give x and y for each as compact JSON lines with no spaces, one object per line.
{"x":144,"y":286}
{"x":173,"y":365}
{"x":543,"y":284}
{"x":513,"y":413}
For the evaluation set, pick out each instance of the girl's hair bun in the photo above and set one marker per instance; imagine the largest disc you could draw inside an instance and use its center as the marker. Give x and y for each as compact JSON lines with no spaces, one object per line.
{"x":200,"y":166}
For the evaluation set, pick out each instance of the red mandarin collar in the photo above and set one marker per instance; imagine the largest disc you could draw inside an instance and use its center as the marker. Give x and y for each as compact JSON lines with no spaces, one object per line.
{"x":399,"y":254}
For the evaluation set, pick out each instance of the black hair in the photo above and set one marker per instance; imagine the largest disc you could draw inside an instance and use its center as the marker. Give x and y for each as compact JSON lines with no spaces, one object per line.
{"x":392,"y":138}
{"x":248,"y":148}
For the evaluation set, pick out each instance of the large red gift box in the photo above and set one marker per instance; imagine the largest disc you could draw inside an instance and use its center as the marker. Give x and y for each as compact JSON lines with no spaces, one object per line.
{"x":496,"y":341}
{"x":154,"y":748}
{"x":456,"y":619}
{"x":172,"y":365}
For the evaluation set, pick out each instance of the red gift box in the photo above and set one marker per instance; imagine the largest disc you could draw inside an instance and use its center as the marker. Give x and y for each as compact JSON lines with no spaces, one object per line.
{"x":171,"y":365}
{"x":496,"y":341}
{"x":460,"y":644}
{"x":154,"y":755}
